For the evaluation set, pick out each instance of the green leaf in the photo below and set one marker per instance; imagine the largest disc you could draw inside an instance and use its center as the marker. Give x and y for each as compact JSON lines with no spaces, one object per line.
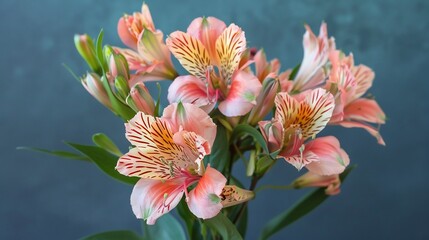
{"x":114,"y":235}
{"x":63,"y":154}
{"x":104,"y":160}
{"x":300,"y":209}
{"x":294,"y":72}
{"x":187,"y":217}
{"x":219,"y":155}
{"x":222,"y":225}
{"x":244,"y":129}
{"x":103,"y":141}
{"x":99,"y":51}
{"x":166,"y":227}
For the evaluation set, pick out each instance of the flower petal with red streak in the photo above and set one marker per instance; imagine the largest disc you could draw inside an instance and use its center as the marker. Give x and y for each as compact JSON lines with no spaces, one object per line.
{"x":190,"y":52}
{"x":207,"y":30}
{"x":229,"y":47}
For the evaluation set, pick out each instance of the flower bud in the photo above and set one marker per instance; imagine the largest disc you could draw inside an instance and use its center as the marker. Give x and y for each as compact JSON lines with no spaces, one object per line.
{"x":273,"y":133}
{"x":86,"y":48}
{"x":121,"y":89}
{"x":118,"y":66}
{"x":331,"y":183}
{"x":264,"y":101}
{"x":107,"y":52}
{"x":93,"y":84}
{"x":140,"y":99}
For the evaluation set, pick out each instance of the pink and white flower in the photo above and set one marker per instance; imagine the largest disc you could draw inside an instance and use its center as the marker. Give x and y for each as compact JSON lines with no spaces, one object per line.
{"x":297,"y":119}
{"x":167,"y":157}
{"x":148,"y":56}
{"x":208,"y":46}
{"x":349,"y":83}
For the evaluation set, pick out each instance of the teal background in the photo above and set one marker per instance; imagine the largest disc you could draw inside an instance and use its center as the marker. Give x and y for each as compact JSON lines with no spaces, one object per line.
{"x":43,"y":197}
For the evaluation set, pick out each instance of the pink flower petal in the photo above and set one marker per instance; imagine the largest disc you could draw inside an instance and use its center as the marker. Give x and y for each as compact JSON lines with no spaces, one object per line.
{"x":190,"y":52}
{"x":316,"y":51}
{"x":242,"y":95}
{"x":370,"y":129}
{"x":189,"y":117}
{"x":126,"y":37}
{"x":207,"y":30}
{"x":204,"y":200}
{"x":229,"y":47}
{"x":190,"y":89}
{"x":331,"y":158}
{"x":366,"y":110}
{"x":156,"y":155}
{"x":151,"y":199}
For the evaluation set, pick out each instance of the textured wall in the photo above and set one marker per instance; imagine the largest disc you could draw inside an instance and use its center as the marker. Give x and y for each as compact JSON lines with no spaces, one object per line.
{"x":43,"y":197}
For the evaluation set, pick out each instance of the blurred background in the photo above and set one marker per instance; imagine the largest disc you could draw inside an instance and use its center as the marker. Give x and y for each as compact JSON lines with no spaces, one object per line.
{"x":44,"y":197}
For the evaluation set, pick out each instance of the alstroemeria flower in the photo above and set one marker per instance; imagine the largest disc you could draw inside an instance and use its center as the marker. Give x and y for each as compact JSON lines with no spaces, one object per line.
{"x":301,"y":118}
{"x":149,"y":56}
{"x":349,"y":83}
{"x":211,"y":53}
{"x":167,"y":156}
{"x":316,"y":50}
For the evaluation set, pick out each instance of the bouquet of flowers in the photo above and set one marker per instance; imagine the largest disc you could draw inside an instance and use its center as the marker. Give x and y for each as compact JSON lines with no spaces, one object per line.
{"x":231,"y":105}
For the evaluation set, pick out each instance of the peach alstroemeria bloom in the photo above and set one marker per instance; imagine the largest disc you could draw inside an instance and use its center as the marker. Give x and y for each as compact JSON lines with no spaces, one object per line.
{"x":316,"y":50}
{"x":149,"y":55}
{"x":167,"y":156}
{"x":208,"y":46}
{"x":349,"y":83}
{"x":298,"y":119}
{"x":265,"y":69}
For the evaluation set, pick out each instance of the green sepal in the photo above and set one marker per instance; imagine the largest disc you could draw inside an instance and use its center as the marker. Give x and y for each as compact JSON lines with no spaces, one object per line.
{"x":103,"y":141}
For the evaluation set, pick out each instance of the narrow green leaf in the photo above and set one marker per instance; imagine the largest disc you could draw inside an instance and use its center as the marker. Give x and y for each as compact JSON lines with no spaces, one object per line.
{"x":58,"y":153}
{"x":294,"y":72}
{"x":244,"y":129}
{"x":300,"y":209}
{"x":222,"y":225}
{"x":103,"y":141}
{"x":166,"y":228}
{"x":219,"y":155}
{"x":114,"y":235}
{"x":99,"y":51}
{"x":104,"y":160}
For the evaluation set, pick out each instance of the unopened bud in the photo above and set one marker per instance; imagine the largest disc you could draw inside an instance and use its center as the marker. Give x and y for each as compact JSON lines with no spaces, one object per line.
{"x":265,"y":100}
{"x":121,"y":88}
{"x":331,"y":183}
{"x":94,"y":85}
{"x":140,"y":99}
{"x":86,"y":48}
{"x":118,"y":66}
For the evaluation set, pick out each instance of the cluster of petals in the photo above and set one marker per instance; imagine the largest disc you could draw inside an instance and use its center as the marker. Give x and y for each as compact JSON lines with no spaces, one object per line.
{"x":167,"y":157}
{"x":211,"y":52}
{"x":349,"y":83}
{"x":291,"y":133}
{"x":147,"y":55}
